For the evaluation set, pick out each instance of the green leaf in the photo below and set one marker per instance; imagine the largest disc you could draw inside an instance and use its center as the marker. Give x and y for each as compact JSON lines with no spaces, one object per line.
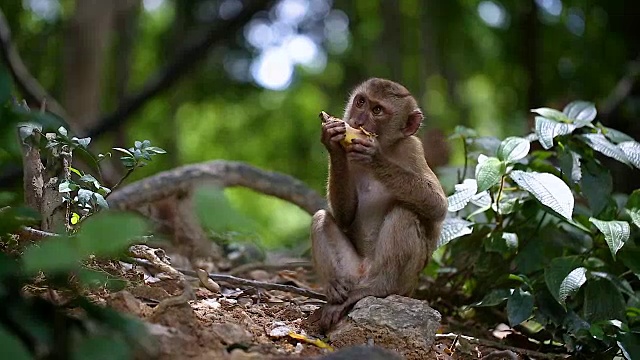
{"x":558,"y":270}
{"x":633,"y":207}
{"x":12,"y":347}
{"x":463,"y":132}
{"x":90,"y":180}
{"x":54,"y":254}
{"x":629,"y":344}
{"x":551,"y":114}
{"x":493,"y":298}
{"x":62,"y":131}
{"x":84,"y":196}
{"x":513,"y":149}
{"x":616,"y":233}
{"x":550,"y":190}
{"x":125,"y":151}
{"x":488,"y":172}
{"x":155,"y":149}
{"x":631,"y":150}
{"x":511,"y":239}
{"x":137,"y":144}
{"x":570,"y":164}
{"x":602,"y":301}
{"x":571,"y":284}
{"x":596,"y":186}
{"x":580,"y":113}
{"x":519,"y":306}
{"x":601,"y":144}
{"x":453,"y":228}
{"x":75,"y":171}
{"x":615,"y":135}
{"x":67,"y":186}
{"x":100,"y":200}
{"x":101,"y":347}
{"x":84,"y":142}
{"x":463,"y":193}
{"x":547,"y":130}
{"x":106,"y":234}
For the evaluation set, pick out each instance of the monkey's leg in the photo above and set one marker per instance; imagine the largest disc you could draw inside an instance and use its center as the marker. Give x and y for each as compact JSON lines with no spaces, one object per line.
{"x":334,"y":257}
{"x":391,"y":268}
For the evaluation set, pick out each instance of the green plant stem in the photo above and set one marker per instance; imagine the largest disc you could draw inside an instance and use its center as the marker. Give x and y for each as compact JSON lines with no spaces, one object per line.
{"x":129,"y":171}
{"x":498,"y":215}
{"x":466,"y":153}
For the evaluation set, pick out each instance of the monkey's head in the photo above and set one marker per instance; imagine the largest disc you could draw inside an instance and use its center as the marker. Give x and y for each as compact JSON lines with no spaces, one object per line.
{"x":383,"y":107}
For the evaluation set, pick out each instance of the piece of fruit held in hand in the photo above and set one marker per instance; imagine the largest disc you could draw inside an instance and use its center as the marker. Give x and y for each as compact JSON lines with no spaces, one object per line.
{"x":351,"y":133}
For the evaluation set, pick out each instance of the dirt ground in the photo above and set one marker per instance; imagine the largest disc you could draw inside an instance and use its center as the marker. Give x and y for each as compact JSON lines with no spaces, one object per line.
{"x":252,"y":323}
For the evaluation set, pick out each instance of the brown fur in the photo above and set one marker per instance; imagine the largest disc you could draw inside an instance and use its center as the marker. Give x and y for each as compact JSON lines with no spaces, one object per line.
{"x":386,"y":206}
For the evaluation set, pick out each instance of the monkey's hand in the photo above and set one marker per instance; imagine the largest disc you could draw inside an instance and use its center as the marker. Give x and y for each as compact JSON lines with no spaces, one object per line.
{"x":363,"y":150}
{"x":332,"y":133}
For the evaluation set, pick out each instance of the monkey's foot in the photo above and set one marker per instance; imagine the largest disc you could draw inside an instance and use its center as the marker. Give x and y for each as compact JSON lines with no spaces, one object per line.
{"x":337,"y":291}
{"x":330,"y":315}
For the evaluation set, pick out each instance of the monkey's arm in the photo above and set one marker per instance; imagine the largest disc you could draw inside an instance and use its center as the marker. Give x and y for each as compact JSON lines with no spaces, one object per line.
{"x":417,"y":187}
{"x":342,"y":196}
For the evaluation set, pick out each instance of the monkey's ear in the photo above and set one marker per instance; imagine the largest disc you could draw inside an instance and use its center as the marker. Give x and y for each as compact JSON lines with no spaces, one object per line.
{"x":413,"y":122}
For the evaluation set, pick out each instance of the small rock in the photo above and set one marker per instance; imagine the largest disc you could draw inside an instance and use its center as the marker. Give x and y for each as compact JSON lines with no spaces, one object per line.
{"x":280,"y":330}
{"x":397,"y":322}
{"x":230,"y":333}
{"x":124,"y":301}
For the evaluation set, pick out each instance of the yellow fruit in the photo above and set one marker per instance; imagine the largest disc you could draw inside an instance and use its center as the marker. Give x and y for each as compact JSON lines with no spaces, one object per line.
{"x":352,"y":133}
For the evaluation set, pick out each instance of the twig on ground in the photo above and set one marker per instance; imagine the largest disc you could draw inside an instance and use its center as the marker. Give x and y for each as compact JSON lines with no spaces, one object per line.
{"x":236,"y":281}
{"x":274,"y":267}
{"x":497,"y":345}
{"x":157,"y":259}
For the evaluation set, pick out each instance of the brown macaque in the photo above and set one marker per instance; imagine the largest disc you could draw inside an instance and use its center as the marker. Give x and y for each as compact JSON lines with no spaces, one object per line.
{"x":386,"y":206}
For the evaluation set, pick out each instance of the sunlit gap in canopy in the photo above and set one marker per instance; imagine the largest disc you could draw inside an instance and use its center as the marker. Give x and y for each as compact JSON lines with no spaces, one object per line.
{"x":47,"y":10}
{"x":493,"y":14}
{"x":152,"y":5}
{"x":291,"y":35}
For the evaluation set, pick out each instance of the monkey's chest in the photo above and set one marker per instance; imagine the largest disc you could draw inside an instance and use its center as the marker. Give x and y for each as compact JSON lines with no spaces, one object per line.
{"x":374,"y":203}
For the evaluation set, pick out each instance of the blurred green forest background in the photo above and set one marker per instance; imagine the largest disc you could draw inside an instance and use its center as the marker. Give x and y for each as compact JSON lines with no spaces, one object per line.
{"x":245,"y":80}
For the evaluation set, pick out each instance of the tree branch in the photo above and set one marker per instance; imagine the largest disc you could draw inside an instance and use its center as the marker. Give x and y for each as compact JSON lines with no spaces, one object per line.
{"x":220,"y":173}
{"x":186,"y":60}
{"x":27,"y":84}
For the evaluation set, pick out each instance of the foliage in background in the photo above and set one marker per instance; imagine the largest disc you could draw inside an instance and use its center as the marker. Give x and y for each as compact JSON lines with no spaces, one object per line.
{"x":540,"y":234}
{"x":30,"y":326}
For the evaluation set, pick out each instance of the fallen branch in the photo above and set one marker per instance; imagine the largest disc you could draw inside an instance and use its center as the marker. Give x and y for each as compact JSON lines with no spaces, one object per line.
{"x":273,"y":267}
{"x":236,"y":281}
{"x":498,"y":345}
{"x":220,"y":173}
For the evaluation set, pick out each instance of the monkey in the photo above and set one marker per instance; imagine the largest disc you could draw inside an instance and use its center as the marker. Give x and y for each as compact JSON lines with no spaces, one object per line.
{"x":385,"y":204}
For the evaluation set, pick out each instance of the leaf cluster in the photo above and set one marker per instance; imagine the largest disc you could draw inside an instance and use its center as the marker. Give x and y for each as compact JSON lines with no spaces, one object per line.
{"x":540,"y":234}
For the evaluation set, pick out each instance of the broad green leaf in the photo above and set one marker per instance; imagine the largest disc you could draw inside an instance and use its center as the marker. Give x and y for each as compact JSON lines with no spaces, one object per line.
{"x":54,"y":254}
{"x":602,"y":301}
{"x":519,"y":306}
{"x":580,"y":113}
{"x":616,"y":233}
{"x":62,"y":131}
{"x":493,"y":298}
{"x":84,"y":142}
{"x":90,"y":180}
{"x":596,"y":186}
{"x":125,"y":151}
{"x":101,"y":347}
{"x":106,"y":234}
{"x":631,"y":150}
{"x":552,"y":114}
{"x":513,"y":149}
{"x":12,"y":347}
{"x":571,"y":284}
{"x":100,"y":200}
{"x":629,"y":344}
{"x":463,"y":193}
{"x":548,"y":189}
{"x":488,"y":172}
{"x":511,"y":239}
{"x":157,"y":150}
{"x":75,"y":218}
{"x":547,"y":130}
{"x":67,"y":186}
{"x":453,"y":228}
{"x":558,"y":270}
{"x":570,"y":164}
{"x":615,"y":135}
{"x":482,"y":199}
{"x":601,"y":144}
{"x":84,"y":196}
{"x":463,"y":132}
{"x":633,"y":207}
{"x":485,"y":144}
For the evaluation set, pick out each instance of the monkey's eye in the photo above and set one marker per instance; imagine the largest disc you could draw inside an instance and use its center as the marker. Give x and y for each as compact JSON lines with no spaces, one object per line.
{"x":359,"y":102}
{"x":377,"y":110}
